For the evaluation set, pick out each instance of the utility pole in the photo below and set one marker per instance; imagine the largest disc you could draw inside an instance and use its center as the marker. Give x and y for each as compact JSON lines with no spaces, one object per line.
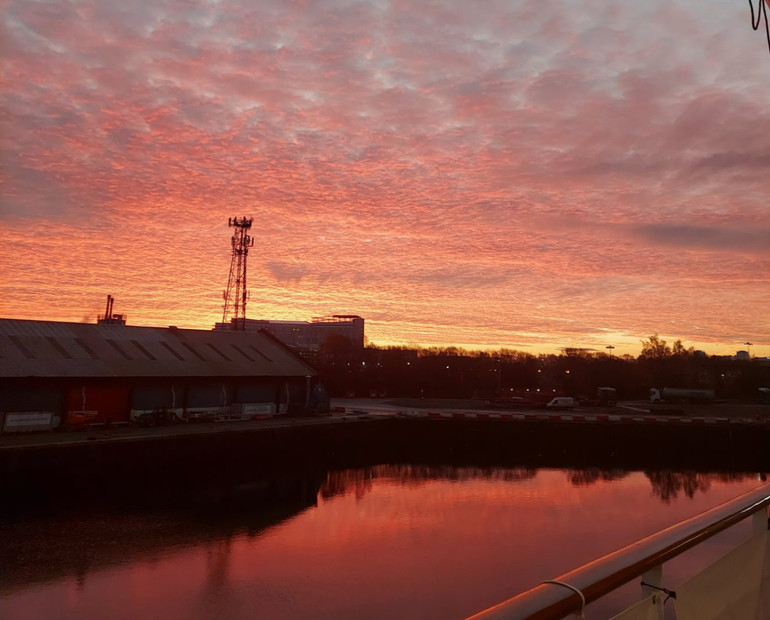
{"x":610,"y":347}
{"x":236,"y":294}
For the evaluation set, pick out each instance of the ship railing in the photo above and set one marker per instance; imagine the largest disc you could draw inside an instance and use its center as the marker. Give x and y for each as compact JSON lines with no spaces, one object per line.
{"x":569,"y":593}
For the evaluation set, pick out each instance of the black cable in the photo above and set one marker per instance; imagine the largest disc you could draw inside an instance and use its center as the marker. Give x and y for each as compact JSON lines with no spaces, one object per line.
{"x":669,"y":593}
{"x":761,"y":12}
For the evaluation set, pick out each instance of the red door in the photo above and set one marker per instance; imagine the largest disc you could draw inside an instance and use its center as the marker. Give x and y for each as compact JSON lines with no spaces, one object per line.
{"x":111,"y":404}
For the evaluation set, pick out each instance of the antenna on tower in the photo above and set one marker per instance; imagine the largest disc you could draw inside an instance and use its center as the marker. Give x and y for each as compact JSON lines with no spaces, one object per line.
{"x":235,"y":296}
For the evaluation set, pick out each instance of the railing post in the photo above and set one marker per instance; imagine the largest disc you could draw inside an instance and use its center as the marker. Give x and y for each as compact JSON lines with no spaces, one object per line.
{"x":760,"y":521}
{"x":654,"y":577}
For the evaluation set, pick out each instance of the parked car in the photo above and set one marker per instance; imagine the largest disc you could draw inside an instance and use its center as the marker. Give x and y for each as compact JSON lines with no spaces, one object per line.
{"x":562,"y":402}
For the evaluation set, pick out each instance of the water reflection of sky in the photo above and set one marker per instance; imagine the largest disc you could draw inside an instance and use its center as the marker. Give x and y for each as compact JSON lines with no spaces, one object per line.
{"x":385,"y":542}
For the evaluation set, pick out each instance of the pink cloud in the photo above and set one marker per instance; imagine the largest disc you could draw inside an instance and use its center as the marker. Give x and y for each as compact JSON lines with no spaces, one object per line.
{"x":399,"y":154}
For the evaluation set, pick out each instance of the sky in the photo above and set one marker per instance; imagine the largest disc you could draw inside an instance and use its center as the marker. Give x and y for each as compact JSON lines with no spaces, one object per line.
{"x":518,"y":174}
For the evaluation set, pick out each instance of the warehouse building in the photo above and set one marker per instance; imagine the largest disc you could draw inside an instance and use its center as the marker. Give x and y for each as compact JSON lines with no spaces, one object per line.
{"x":74,"y":374}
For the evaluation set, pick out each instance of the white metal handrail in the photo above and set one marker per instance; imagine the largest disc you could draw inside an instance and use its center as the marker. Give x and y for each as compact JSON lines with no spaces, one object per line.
{"x":602,"y":576}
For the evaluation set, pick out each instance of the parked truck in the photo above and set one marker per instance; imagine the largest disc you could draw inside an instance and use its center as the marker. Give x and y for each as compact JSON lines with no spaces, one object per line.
{"x":607,"y":396}
{"x":679,"y":395}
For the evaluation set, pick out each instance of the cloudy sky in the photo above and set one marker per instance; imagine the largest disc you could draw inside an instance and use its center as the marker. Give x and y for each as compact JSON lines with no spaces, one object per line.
{"x":531,"y":174}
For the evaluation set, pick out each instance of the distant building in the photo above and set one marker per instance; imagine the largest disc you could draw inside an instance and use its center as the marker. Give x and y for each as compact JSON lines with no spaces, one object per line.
{"x":304,"y":335}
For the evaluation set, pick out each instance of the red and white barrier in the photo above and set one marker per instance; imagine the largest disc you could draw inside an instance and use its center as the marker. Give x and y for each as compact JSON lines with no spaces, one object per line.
{"x":575,"y":418}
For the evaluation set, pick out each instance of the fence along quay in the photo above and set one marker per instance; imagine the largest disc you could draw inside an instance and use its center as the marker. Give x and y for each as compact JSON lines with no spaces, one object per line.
{"x":748,"y":598}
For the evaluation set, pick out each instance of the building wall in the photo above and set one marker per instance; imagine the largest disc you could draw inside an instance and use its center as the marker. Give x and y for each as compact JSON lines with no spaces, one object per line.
{"x":40,"y":398}
{"x":74,"y":403}
{"x":158,"y":396}
{"x":255,"y":391}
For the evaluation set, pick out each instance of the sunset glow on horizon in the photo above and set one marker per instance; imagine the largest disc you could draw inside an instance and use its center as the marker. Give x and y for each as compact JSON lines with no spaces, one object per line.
{"x":518,"y":174}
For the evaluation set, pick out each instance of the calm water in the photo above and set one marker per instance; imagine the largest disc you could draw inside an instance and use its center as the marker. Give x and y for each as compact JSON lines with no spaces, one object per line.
{"x":383,"y":542}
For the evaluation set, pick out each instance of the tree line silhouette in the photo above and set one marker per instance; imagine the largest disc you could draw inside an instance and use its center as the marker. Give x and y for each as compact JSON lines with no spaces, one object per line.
{"x":665,"y":484}
{"x":510,"y":375}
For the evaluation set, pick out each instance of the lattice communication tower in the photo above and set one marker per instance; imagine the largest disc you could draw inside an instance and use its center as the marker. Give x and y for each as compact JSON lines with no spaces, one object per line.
{"x":236,"y":294}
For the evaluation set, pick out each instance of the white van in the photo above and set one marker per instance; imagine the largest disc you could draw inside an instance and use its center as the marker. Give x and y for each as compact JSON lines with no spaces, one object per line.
{"x":562,"y":402}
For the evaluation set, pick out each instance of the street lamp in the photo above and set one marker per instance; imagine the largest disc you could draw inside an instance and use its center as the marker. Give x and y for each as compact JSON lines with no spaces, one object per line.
{"x":748,"y":346}
{"x":610,"y":347}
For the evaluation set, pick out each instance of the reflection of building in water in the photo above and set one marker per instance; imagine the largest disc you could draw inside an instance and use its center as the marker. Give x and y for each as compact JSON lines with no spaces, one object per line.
{"x":83,"y":540}
{"x":304,"y":335}
{"x":217,"y":566}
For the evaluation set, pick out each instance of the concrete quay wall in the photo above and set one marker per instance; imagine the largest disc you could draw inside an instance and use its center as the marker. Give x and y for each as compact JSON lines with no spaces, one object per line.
{"x":177,"y":462}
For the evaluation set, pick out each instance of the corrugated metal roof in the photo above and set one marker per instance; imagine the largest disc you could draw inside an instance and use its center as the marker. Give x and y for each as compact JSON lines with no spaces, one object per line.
{"x":51,"y":349}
